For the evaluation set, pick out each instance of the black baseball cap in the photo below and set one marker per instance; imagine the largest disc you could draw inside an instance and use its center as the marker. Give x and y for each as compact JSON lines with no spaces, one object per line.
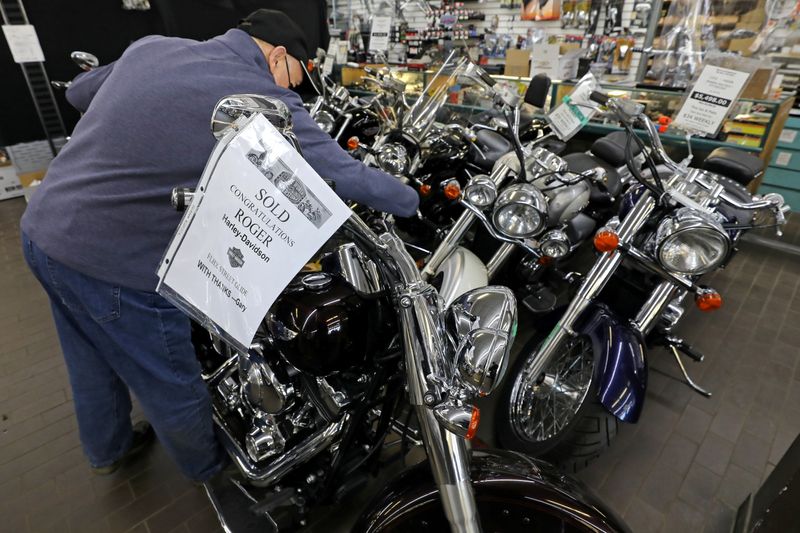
{"x":276,"y":28}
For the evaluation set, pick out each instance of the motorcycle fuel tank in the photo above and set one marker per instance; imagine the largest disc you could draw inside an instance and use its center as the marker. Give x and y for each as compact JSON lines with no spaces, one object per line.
{"x":320,"y":324}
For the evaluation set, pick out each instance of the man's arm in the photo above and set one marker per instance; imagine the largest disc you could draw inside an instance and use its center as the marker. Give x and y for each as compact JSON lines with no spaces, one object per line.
{"x":354,"y":180}
{"x":85,"y":86}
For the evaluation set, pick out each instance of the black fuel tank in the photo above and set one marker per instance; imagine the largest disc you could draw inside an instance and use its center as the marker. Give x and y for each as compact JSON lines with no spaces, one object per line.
{"x":320,"y":324}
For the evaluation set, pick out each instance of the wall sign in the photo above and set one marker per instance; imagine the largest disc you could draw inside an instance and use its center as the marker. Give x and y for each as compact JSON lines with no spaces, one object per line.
{"x":24,"y":43}
{"x":379,"y":36}
{"x":260,"y":214}
{"x":710,"y":99}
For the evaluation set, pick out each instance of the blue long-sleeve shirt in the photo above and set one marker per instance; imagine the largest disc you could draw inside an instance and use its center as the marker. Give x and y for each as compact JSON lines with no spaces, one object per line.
{"x":103,"y":207}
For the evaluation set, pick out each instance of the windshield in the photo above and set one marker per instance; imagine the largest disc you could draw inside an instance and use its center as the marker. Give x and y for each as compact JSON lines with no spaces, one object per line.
{"x":455,"y":73}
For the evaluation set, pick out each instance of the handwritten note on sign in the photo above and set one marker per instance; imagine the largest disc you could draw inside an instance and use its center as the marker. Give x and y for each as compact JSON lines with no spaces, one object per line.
{"x":260,"y":214}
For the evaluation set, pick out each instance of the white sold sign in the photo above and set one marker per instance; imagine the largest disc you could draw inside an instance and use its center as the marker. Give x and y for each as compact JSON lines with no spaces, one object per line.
{"x":710,"y":99}
{"x":261,"y":212}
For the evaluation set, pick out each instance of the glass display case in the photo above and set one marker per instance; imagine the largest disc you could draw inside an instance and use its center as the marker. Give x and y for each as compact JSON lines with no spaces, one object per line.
{"x":748,"y":127}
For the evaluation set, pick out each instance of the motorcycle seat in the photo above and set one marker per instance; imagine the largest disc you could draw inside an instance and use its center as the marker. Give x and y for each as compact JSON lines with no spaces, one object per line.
{"x":493,"y":145}
{"x":581,"y":162}
{"x":737,"y":190}
{"x":611,"y":148}
{"x":737,"y":165}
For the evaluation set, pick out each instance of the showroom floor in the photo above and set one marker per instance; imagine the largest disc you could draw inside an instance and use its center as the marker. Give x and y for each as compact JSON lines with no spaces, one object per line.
{"x":685,"y":467}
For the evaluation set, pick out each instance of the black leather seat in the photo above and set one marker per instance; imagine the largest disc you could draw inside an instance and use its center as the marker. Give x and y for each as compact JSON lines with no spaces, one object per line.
{"x":737,"y":165}
{"x":611,"y":148}
{"x":737,"y":190}
{"x":493,"y":145}
{"x":581,"y":162}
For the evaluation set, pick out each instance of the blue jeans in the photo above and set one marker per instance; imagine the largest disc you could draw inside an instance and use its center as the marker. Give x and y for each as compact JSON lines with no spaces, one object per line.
{"x":117,"y":339}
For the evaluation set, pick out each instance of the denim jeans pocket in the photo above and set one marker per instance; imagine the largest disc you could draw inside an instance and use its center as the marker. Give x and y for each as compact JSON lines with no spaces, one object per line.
{"x":83,"y":294}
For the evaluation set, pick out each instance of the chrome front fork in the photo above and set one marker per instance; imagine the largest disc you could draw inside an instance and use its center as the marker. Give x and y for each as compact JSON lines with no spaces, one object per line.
{"x":448,"y":454}
{"x":459,"y":229}
{"x":593,"y":283}
{"x":425,"y":349}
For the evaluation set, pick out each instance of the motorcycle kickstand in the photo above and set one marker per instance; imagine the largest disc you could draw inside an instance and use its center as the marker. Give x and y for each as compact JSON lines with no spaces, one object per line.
{"x":673,"y":346}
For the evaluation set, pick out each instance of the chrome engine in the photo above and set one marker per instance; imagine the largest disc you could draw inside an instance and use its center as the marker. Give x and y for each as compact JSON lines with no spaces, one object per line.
{"x":267,"y":426}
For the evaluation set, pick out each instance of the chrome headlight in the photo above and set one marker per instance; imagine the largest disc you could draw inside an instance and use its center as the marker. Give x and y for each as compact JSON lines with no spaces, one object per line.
{"x":393,"y":158}
{"x":482,"y":324}
{"x":325,"y":121}
{"x":555,"y":244}
{"x":481,"y":191}
{"x":691,"y":242}
{"x":520,"y":211}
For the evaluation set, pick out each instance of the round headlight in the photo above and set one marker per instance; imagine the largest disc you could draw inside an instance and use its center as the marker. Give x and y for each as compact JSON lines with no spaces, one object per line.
{"x":325,"y":121}
{"x":554,"y":244}
{"x":393,"y":158}
{"x":481,"y":191}
{"x":520,"y":211}
{"x":691,"y":243}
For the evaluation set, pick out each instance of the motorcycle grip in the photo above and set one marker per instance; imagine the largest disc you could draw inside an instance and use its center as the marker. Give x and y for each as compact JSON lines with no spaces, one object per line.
{"x":599,"y":97}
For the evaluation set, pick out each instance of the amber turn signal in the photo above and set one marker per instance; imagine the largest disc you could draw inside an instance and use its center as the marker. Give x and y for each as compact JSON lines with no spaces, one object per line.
{"x":708,"y":301}
{"x":606,"y":241}
{"x":452,"y":190}
{"x":425,"y":190}
{"x":473,"y":423}
{"x":352,"y":143}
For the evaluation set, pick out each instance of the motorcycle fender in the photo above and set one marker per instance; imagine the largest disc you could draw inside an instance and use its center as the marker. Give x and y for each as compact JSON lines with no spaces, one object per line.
{"x":512,"y":492}
{"x":620,"y":363}
{"x":462,"y":271}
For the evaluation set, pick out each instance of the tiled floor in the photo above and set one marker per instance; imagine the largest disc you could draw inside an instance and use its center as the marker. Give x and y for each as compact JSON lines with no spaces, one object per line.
{"x":684,"y":467}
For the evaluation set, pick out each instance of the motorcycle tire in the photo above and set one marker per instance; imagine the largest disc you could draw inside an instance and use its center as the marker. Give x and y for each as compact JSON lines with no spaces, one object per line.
{"x":588,"y":433}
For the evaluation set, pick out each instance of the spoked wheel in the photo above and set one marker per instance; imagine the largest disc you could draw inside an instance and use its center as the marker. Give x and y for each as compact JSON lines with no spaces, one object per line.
{"x":556,"y":415}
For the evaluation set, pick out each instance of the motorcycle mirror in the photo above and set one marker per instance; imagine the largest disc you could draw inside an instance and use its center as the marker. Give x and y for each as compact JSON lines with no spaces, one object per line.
{"x":538,"y":88}
{"x":230,"y":108}
{"x":84,"y":60}
{"x":482,"y":324}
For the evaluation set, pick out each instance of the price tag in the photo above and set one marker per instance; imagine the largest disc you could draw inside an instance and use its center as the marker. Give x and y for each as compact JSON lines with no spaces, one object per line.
{"x":575,"y":111}
{"x":788,"y":136}
{"x":379,"y":36}
{"x":564,"y":122}
{"x":24,"y":43}
{"x":783,"y":159}
{"x":330,"y":57}
{"x":710,"y":99}
{"x":261,"y":212}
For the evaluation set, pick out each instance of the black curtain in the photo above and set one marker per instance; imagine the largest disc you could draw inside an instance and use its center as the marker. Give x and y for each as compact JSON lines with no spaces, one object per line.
{"x":103,"y":28}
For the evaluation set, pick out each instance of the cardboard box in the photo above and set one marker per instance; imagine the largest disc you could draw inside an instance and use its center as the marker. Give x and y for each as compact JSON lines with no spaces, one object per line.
{"x":517,"y":62}
{"x":30,"y":162}
{"x":758,"y":87}
{"x":10,"y":186}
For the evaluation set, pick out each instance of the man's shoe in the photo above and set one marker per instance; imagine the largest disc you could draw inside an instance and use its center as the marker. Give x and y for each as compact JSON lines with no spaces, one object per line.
{"x":143,"y":436}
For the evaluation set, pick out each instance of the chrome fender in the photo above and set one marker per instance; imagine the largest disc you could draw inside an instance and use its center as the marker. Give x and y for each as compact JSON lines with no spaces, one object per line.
{"x":620,"y":363}
{"x":513,"y":492}
{"x":461,"y":272}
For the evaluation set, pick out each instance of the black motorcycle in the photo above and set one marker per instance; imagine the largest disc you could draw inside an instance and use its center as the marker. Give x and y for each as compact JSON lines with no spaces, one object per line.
{"x":572,"y":385}
{"x":358,"y":357}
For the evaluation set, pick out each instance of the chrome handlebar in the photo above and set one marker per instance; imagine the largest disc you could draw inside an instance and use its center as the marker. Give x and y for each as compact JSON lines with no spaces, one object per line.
{"x":635,"y":114}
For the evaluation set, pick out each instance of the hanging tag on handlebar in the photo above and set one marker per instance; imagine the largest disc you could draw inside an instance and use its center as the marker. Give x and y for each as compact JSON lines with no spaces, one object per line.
{"x":576,"y":109}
